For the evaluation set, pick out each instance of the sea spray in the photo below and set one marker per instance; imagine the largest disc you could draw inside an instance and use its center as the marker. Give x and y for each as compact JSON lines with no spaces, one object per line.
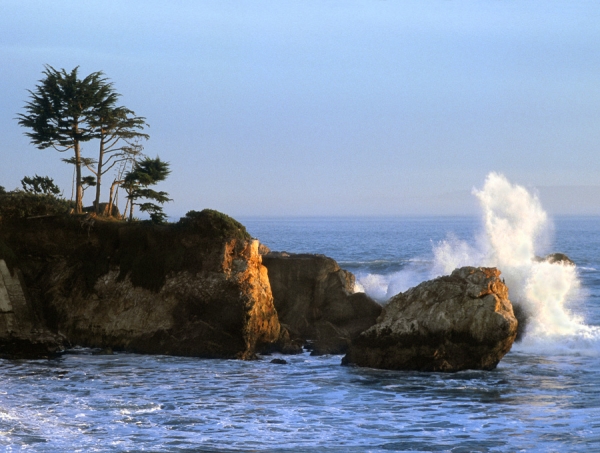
{"x":514,"y":228}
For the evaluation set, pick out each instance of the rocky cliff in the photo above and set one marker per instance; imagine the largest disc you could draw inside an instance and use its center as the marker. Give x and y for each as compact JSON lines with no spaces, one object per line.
{"x":456,"y":322}
{"x":22,"y":335}
{"x":197,"y":288}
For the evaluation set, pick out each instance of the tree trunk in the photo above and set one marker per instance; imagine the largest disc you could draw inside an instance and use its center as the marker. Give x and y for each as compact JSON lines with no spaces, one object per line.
{"x":111,"y":199}
{"x":130,"y":210}
{"x":78,"y":185}
{"x":99,"y":175}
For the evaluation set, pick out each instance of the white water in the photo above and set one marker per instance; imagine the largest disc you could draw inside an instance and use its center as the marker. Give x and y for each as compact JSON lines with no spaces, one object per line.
{"x":515,"y":230}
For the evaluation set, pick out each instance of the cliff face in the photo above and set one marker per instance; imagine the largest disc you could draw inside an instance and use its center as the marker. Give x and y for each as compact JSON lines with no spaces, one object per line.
{"x":22,"y":335}
{"x":179,"y":289}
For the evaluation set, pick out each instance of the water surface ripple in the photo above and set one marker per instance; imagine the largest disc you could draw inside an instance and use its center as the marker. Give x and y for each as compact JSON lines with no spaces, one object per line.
{"x":127,"y":402}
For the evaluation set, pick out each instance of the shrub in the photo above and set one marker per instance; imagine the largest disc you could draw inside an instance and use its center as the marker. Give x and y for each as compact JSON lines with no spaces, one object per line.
{"x":19,"y":204}
{"x":213,"y":223}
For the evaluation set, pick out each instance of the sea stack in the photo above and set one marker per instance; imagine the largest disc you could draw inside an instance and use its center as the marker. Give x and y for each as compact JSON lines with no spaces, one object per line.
{"x":315,"y":301}
{"x":456,"y":322}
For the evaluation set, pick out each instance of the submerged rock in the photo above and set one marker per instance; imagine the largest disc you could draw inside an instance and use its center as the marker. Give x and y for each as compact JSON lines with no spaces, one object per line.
{"x":315,"y":300}
{"x":456,"y":322}
{"x":279,"y":361}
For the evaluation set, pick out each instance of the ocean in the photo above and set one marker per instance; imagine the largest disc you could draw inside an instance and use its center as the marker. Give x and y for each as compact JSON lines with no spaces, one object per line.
{"x":544,"y":396}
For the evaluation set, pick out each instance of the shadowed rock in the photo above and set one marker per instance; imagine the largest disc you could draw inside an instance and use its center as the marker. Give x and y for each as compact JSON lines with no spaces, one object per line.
{"x":22,"y":335}
{"x":456,"y":322}
{"x":560,"y":258}
{"x":197,"y":288}
{"x":315,"y":300}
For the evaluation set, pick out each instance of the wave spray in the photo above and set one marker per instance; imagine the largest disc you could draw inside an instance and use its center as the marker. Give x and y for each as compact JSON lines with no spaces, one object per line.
{"x":515,"y":227}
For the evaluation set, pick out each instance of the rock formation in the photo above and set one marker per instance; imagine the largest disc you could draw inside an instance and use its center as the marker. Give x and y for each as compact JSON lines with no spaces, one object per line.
{"x":315,"y":300}
{"x":457,"y":322}
{"x":21,"y":333}
{"x":197,"y":288}
{"x":559,"y":258}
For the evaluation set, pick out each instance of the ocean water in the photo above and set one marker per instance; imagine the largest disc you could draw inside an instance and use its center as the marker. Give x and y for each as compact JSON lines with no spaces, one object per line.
{"x":543,"y":397}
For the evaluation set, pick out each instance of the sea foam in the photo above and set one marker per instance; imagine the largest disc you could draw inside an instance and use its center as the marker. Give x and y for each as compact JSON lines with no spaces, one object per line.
{"x":515,"y":228}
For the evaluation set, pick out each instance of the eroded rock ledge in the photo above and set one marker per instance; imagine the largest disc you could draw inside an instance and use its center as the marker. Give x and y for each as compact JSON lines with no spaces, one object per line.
{"x":456,"y":322}
{"x":197,"y":288}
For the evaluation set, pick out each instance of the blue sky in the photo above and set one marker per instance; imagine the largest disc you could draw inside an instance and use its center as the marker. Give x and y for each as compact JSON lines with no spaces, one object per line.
{"x":328,"y":107}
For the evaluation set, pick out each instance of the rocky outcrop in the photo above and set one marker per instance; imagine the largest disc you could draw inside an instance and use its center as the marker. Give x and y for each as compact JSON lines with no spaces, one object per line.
{"x":197,"y":288}
{"x":21,"y":333}
{"x":456,"y":322}
{"x":315,"y":300}
{"x":559,"y":258}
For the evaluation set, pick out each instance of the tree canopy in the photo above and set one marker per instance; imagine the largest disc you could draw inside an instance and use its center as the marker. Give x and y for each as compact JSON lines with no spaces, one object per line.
{"x":65,"y":110}
{"x":62,"y":113}
{"x":145,"y":173}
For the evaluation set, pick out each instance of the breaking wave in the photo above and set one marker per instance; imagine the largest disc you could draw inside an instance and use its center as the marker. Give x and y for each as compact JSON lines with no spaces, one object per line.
{"x":515,"y":228}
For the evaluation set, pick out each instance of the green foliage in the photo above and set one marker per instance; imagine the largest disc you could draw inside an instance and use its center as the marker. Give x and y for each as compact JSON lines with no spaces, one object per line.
{"x":146,"y":173}
{"x":155,"y":211}
{"x":213,"y":223}
{"x":88,"y":181}
{"x":40,"y":185}
{"x":62,"y":113}
{"x":63,"y":107}
{"x":20,"y":204}
{"x":2,"y":190}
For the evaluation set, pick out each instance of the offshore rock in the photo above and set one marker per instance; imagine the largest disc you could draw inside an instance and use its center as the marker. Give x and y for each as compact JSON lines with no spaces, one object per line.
{"x":559,"y":258}
{"x":456,"y":322}
{"x":315,"y":300}
{"x":197,"y":288}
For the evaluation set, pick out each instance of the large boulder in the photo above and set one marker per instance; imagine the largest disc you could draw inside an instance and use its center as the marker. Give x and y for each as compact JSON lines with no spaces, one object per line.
{"x":456,"y":322}
{"x":315,"y":300}
{"x":197,"y":288}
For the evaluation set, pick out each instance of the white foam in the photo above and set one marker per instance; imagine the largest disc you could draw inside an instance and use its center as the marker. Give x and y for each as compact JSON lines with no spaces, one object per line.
{"x":383,"y":286}
{"x":515,"y":229}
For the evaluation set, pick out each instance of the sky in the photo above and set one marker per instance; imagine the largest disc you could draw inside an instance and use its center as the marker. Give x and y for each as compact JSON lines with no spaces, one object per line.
{"x":327,"y":108}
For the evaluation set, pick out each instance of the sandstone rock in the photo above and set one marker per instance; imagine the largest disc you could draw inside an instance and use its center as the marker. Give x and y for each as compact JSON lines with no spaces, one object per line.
{"x":195,"y":289}
{"x":315,"y":299}
{"x":457,"y":322}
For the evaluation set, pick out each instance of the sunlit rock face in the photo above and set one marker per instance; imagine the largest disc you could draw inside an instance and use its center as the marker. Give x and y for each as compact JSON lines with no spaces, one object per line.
{"x":315,"y":300}
{"x":456,"y":322}
{"x":191,"y":289}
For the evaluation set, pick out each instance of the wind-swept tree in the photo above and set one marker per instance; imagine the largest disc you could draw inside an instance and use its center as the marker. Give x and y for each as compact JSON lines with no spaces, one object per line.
{"x":40,"y":185}
{"x":131,"y":154}
{"x":119,"y":132}
{"x":145,"y":173}
{"x":62,"y":113}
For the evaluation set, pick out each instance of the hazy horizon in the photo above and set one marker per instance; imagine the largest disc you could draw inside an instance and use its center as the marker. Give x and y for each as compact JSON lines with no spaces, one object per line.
{"x":320,"y":108}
